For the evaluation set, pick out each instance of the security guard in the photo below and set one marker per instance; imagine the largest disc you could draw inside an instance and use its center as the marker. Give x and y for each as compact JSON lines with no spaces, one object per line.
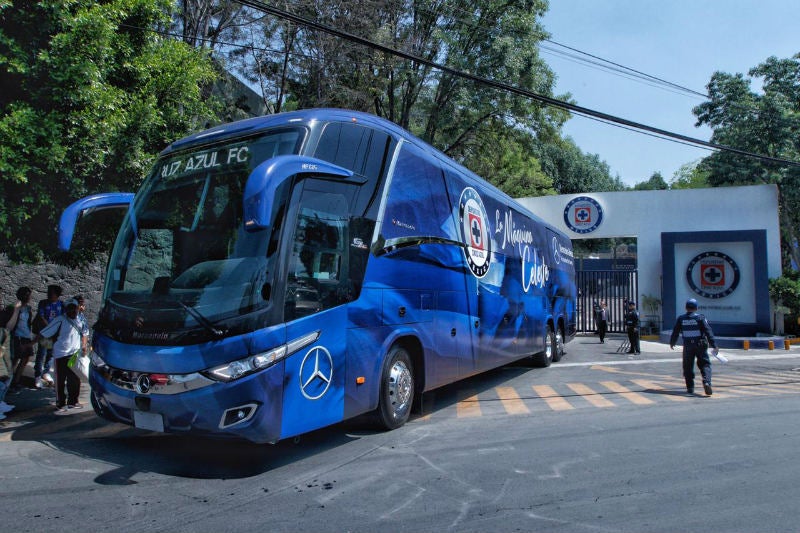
{"x":632,"y":327}
{"x":697,"y":337}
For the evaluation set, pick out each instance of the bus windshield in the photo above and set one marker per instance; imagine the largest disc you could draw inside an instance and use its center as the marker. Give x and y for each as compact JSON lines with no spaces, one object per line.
{"x":183,"y":267}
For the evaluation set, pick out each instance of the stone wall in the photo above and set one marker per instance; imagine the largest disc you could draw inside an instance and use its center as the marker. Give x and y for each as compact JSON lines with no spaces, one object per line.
{"x":86,"y":281}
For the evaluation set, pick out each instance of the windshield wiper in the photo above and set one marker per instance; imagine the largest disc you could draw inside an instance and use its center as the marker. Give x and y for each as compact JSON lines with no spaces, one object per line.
{"x":203,"y":321}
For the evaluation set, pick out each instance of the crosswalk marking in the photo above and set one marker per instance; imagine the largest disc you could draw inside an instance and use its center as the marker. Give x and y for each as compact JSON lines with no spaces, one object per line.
{"x":672,"y":395}
{"x":639,"y":388}
{"x":554,"y":400}
{"x":512,"y":403}
{"x":468,"y":405}
{"x":590,"y":395}
{"x":633,"y":397}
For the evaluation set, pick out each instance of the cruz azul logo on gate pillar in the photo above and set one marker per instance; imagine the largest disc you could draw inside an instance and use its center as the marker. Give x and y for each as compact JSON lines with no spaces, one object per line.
{"x":475,"y":231}
{"x":583,"y":214}
{"x":713,"y":274}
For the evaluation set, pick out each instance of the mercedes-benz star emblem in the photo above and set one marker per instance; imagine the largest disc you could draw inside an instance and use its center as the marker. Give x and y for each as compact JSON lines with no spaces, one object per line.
{"x":143,"y":384}
{"x":316,"y":377}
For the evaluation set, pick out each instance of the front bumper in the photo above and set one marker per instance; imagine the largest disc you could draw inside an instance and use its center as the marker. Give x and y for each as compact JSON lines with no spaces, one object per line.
{"x":248,"y":408}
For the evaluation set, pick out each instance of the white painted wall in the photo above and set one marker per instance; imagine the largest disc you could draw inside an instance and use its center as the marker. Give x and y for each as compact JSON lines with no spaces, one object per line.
{"x":646,"y":214}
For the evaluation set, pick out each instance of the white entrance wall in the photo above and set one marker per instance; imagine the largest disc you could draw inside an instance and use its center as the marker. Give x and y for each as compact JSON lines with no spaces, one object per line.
{"x":647,"y":214}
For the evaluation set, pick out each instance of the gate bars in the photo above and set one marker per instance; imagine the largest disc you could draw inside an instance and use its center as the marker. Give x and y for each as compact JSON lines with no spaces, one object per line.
{"x":615,"y":287}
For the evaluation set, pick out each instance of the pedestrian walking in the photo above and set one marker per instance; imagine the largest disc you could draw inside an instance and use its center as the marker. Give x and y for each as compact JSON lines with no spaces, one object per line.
{"x":70,"y":339}
{"x":602,"y":322}
{"x":697,"y":337}
{"x":632,"y":327}
{"x":47,"y":311}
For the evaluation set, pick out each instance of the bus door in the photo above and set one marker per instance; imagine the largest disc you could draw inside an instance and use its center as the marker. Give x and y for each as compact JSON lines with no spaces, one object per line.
{"x":316,"y":291}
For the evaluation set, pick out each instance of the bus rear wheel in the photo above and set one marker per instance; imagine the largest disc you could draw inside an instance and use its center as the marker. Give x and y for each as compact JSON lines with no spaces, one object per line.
{"x":397,"y":389}
{"x":543,"y":359}
{"x":558,"y":353}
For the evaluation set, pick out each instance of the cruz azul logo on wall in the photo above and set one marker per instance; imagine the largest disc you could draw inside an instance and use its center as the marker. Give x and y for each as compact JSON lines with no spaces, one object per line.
{"x":475,"y":231}
{"x":583,"y":214}
{"x":712,"y":274}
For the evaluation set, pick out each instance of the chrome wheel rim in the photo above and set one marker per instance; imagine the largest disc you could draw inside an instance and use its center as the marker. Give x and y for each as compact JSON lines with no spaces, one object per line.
{"x":400,"y":388}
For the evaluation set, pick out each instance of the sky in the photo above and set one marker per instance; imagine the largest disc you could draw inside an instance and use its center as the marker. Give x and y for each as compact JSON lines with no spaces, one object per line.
{"x":681,"y":41}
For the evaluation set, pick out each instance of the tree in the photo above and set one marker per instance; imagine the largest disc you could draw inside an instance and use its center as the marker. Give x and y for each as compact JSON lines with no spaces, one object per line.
{"x":655,"y":183}
{"x":689,"y":176}
{"x":786,"y":290}
{"x":90,"y":92}
{"x":572,"y":171}
{"x":767,"y":123}
{"x":299,"y":67}
{"x":511,"y":166}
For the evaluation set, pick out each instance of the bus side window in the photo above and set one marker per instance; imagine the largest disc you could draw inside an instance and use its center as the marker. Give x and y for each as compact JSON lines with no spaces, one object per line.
{"x":353,"y":147}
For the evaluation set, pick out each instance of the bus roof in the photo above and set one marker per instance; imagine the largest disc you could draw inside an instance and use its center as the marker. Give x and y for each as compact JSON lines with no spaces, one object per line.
{"x":310,"y":116}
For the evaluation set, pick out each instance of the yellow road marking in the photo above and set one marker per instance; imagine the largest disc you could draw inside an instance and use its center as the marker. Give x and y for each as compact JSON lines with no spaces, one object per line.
{"x":655,"y":386}
{"x":553,"y":399}
{"x":633,"y":397}
{"x":613,"y":370}
{"x":468,"y":406}
{"x":590,"y":395}
{"x":512,"y":403}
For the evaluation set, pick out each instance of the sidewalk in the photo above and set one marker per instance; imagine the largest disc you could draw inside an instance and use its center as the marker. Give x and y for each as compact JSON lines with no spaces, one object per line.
{"x":38,"y":405}
{"x":655,"y":348}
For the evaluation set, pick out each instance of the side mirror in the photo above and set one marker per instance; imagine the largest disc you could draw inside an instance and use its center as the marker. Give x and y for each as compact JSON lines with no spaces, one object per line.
{"x":259,"y":191}
{"x":85,"y":206}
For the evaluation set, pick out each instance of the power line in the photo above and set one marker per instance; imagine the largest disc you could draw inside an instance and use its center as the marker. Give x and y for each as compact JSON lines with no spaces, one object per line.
{"x":622,"y":68}
{"x":508,"y":88}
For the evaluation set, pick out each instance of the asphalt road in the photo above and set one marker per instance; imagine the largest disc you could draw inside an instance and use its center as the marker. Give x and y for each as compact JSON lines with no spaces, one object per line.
{"x":597,"y":442}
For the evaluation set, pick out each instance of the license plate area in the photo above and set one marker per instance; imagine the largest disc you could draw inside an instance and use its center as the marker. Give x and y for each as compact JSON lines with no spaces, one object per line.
{"x":148,"y":421}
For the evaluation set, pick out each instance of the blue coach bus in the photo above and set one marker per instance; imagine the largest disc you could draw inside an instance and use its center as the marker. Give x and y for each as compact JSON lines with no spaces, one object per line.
{"x":280,"y":274}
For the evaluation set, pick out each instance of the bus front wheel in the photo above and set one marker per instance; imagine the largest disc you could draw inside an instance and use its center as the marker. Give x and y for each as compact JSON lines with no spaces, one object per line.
{"x":397,"y":389}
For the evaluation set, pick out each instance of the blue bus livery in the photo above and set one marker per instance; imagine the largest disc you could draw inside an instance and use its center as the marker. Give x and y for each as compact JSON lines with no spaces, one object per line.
{"x":280,"y":274}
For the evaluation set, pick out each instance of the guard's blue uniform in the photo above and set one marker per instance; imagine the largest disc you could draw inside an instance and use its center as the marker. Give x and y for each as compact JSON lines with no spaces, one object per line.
{"x":632,"y":328}
{"x":697,"y":337}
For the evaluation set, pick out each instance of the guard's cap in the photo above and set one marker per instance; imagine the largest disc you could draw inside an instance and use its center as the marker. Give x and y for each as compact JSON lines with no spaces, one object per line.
{"x":691,"y":303}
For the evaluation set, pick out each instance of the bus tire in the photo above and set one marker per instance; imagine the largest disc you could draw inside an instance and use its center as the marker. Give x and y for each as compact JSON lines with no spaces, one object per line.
{"x":397,"y":389}
{"x":558,"y":353}
{"x":543,"y":359}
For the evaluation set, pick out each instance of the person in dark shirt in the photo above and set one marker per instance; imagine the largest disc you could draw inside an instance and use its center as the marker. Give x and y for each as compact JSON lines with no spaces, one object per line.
{"x":632,"y":327}
{"x":602,"y":322}
{"x":697,"y":337}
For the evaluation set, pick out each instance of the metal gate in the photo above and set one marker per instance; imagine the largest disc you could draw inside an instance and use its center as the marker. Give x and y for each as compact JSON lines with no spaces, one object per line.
{"x":614,"y":287}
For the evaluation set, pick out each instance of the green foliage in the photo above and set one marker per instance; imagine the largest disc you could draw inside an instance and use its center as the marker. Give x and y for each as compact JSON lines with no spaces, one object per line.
{"x":474,"y":124}
{"x":572,"y":171}
{"x":689,"y":176}
{"x":766,"y":122}
{"x":511,"y":165}
{"x":785,"y":290}
{"x":655,"y":183}
{"x":89,"y":94}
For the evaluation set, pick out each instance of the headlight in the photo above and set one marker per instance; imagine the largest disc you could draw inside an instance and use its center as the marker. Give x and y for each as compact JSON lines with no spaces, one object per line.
{"x":243,"y":367}
{"x":248,"y":365}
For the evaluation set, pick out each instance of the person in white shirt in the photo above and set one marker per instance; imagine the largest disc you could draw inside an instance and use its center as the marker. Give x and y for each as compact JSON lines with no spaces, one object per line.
{"x":20,"y":325}
{"x":71,"y":336}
